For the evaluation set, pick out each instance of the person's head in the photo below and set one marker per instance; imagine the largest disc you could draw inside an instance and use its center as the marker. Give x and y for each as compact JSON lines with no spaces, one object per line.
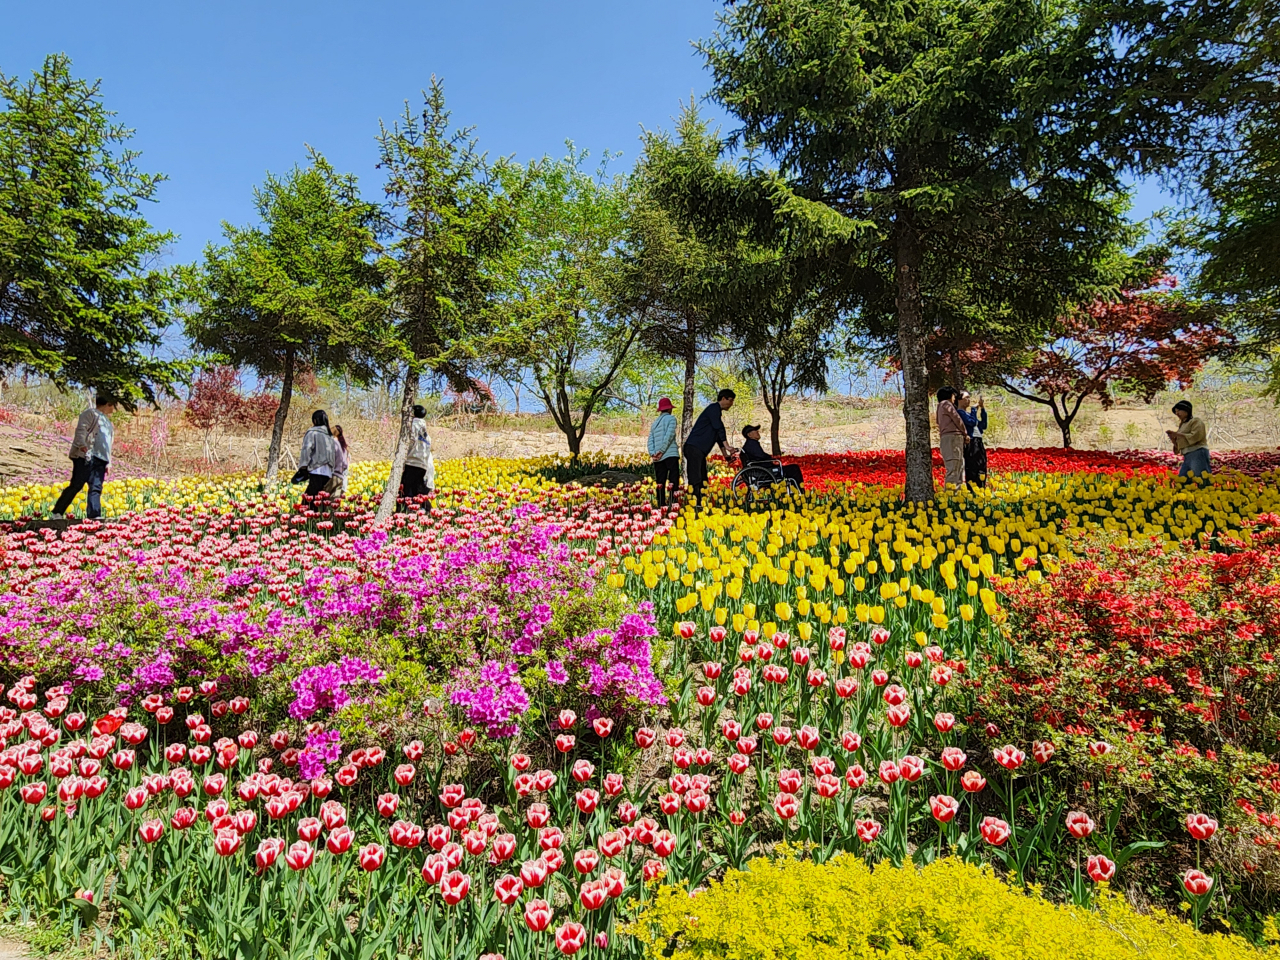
{"x":419,"y":411}
{"x":751,"y":433}
{"x":339,"y":435}
{"x":962,"y":401}
{"x":725,"y":398}
{"x":1182,"y":409}
{"x":320,"y":419}
{"x":945,"y":394}
{"x":665,"y":405}
{"x":106,"y":402}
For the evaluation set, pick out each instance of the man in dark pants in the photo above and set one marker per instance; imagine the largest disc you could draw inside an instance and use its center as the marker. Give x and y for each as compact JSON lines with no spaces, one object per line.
{"x":707,"y":432}
{"x":90,"y":457}
{"x":752,"y":452}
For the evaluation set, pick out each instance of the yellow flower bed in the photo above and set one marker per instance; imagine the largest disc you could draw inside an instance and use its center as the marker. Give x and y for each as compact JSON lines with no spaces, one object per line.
{"x":787,"y":909}
{"x":366,"y":478}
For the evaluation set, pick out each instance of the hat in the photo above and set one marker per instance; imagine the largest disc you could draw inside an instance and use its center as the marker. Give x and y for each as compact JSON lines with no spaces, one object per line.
{"x":748,"y":430}
{"x":665,"y":404}
{"x":1182,"y":405}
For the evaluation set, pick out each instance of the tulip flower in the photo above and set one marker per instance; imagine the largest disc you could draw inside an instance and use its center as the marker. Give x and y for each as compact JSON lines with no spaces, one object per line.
{"x":1197,"y":883}
{"x":537,"y":915}
{"x":454,"y":887}
{"x":867,"y":830}
{"x":785,"y":806}
{"x":972,"y":781}
{"x":994,"y":830}
{"x":944,"y":808}
{"x":309,"y":828}
{"x":434,"y":868}
{"x":151,"y":831}
{"x":570,"y":938}
{"x":226,"y":842}
{"x":1079,"y":824}
{"x":1200,"y":826}
{"x":339,"y":840}
{"x":1100,"y":869}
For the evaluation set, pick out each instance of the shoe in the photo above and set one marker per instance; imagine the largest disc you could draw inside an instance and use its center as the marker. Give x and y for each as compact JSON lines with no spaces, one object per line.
{"x":57,"y":516}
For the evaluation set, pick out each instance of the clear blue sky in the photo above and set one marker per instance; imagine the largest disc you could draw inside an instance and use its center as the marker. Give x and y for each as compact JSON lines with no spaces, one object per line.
{"x":220,"y":93}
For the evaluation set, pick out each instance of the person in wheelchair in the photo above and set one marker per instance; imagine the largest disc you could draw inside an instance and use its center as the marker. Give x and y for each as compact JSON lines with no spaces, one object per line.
{"x":753,"y":453}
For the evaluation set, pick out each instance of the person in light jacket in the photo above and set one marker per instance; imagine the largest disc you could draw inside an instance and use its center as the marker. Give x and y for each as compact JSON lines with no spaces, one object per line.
{"x":341,"y":463}
{"x":319,"y":455}
{"x":1191,"y":439}
{"x":419,"y":477}
{"x":664,"y":452}
{"x":90,"y":457}
{"x":952,"y":437}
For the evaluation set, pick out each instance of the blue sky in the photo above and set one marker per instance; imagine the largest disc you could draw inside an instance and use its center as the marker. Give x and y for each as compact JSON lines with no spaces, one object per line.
{"x":221,"y":93}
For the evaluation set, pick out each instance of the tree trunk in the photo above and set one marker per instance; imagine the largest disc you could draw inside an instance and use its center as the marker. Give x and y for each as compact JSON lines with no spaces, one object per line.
{"x":388,"y":504}
{"x":775,"y":426}
{"x":1064,"y":424}
{"x":908,"y":257}
{"x":690,"y":371}
{"x":282,"y":414}
{"x":957,"y":372}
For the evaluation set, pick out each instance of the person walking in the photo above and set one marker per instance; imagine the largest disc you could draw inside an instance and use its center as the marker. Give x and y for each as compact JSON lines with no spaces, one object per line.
{"x":752,"y":452}
{"x":318,"y":455}
{"x":707,"y":432}
{"x":341,"y":461}
{"x":951,"y":437}
{"x":419,"y":477}
{"x":664,"y":452}
{"x":1191,"y":439}
{"x":90,"y":457}
{"x":975,"y":451}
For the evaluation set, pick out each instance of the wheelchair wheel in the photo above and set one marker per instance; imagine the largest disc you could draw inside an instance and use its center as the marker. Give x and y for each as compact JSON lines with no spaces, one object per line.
{"x":754,"y":486}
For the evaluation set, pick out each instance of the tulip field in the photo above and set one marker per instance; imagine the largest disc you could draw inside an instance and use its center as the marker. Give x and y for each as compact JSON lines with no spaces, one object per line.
{"x":532,"y":718}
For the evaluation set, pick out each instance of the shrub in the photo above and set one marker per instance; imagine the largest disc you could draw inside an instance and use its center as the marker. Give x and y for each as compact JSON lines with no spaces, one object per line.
{"x":799,"y":910}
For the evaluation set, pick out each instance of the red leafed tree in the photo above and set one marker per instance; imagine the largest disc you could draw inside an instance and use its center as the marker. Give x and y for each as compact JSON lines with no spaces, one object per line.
{"x":217,"y":403}
{"x":1140,"y":342}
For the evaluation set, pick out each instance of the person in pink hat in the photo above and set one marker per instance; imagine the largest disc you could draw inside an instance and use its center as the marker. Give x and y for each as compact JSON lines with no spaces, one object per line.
{"x":664,"y":452}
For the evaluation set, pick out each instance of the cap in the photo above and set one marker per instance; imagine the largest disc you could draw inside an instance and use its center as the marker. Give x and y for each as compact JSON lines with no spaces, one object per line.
{"x":748,"y":429}
{"x":1182,"y":405}
{"x":665,"y":404}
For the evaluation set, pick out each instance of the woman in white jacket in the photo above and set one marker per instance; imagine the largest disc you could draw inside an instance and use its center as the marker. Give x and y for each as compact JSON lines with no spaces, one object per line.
{"x":419,"y":478}
{"x":318,"y":456}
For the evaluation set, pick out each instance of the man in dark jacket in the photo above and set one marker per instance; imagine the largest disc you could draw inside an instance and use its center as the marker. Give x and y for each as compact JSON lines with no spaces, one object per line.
{"x":752,"y":452}
{"x":707,"y":432}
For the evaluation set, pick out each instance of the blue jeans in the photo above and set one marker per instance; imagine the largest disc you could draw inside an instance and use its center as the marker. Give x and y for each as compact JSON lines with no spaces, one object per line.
{"x":90,"y":471}
{"x":1195,"y":463}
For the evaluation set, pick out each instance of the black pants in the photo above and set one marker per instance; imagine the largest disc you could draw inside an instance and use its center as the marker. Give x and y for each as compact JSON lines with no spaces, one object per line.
{"x":316,"y":485}
{"x":91,"y":471}
{"x":792,"y":472}
{"x":413,"y":482}
{"x":975,"y":463}
{"x":667,"y":471}
{"x":695,"y":461}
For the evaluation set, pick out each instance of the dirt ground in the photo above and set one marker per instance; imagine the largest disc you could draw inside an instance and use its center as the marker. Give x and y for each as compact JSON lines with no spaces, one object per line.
{"x":32,"y":449}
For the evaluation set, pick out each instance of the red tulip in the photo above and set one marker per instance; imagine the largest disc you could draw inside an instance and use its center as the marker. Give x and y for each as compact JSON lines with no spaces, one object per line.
{"x":371,"y":856}
{"x":405,"y":834}
{"x":613,"y":784}
{"x":1009,"y":757}
{"x":1079,"y":825}
{"x":226,"y":842}
{"x":583,"y":770}
{"x":537,"y":915}
{"x":664,"y":842}
{"x":867,"y":830}
{"x":214,"y":784}
{"x":653,"y":870}
{"x":808,"y":738}
{"x":300,"y":855}
{"x":434,"y":868}
{"x":404,"y":774}
{"x":550,"y":838}
{"x":504,"y":847}
{"x":1100,"y":869}
{"x":475,"y":842}
{"x":645,"y":738}
{"x":507,"y":889}
{"x":570,"y":938}
{"x":943,"y":722}
{"x":151,"y":831}
{"x":565,"y":742}
{"x":339,"y":840}
{"x":1042,"y":750}
{"x":972,"y":781}
{"x":454,"y":887}
{"x":521,"y":762}
{"x":387,"y":804}
{"x":615,"y":881}
{"x":309,"y":828}
{"x":994,"y":830}
{"x":593,"y":894}
{"x":1196,"y":883}
{"x":452,"y":794}
{"x":953,"y":758}
{"x":333,"y":814}
{"x":533,"y":873}
{"x":133,"y":800}
{"x":627,"y":811}
{"x":603,"y":726}
{"x":413,"y":750}
{"x":785,"y":806}
{"x":244,"y":822}
{"x":537,"y":816}
{"x":1201,"y":826}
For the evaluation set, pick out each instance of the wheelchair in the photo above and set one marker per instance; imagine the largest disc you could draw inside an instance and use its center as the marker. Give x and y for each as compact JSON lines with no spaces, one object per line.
{"x":762,"y":484}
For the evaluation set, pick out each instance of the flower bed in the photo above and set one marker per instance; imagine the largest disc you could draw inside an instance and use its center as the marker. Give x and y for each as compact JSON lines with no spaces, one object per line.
{"x":537,"y":699}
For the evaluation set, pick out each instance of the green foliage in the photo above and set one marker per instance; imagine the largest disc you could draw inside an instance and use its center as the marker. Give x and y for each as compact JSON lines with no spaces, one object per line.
{"x":562,"y":315}
{"x":299,"y":292}
{"x":78,"y":300}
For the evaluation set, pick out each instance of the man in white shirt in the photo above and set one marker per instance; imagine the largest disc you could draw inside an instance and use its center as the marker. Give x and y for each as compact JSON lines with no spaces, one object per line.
{"x":90,"y":457}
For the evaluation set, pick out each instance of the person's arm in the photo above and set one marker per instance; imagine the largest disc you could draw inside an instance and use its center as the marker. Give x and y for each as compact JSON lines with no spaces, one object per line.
{"x":982,"y":419}
{"x":85,"y":428}
{"x":308,"y":451}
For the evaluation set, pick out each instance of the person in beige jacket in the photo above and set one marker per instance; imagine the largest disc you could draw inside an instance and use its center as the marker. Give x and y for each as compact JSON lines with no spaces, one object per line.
{"x":1191,"y":439}
{"x":952,"y":437}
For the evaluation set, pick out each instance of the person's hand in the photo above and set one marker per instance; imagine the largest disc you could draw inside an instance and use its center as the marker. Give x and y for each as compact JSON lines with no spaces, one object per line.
{"x":1171,"y":434}
{"x":657,"y":457}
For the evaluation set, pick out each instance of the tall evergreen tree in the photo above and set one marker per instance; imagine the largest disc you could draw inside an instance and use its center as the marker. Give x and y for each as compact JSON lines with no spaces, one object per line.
{"x":298,"y":291}
{"x":79,"y":302}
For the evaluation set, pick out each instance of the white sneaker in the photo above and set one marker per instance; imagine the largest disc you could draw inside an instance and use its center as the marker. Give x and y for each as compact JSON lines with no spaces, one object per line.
{"x":57,"y":516}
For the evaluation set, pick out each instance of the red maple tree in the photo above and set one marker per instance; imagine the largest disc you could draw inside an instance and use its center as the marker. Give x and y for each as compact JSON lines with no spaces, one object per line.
{"x":1141,"y":342}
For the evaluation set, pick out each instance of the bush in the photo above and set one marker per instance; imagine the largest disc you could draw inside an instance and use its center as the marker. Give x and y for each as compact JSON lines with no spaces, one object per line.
{"x":799,"y":910}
